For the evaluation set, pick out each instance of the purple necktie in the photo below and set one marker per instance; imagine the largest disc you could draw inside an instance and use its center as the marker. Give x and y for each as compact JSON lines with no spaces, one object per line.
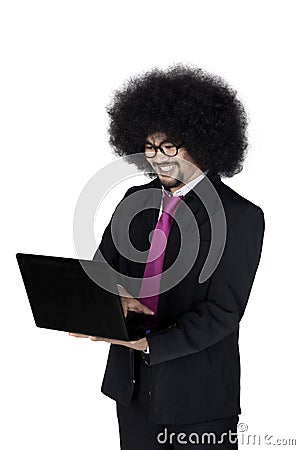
{"x":150,"y":287}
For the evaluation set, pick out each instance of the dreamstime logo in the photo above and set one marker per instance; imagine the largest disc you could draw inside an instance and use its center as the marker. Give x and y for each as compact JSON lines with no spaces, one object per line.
{"x":229,"y":436}
{"x":205,"y":438}
{"x":90,"y":201}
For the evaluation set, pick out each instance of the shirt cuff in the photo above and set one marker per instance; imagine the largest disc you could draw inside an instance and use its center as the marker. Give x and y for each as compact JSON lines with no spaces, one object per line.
{"x":147,"y":349}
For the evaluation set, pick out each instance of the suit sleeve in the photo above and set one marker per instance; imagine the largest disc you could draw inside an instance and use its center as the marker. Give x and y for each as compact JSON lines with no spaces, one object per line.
{"x":228,"y":293}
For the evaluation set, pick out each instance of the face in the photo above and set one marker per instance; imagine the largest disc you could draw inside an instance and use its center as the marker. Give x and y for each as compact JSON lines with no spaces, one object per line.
{"x":180,"y":169}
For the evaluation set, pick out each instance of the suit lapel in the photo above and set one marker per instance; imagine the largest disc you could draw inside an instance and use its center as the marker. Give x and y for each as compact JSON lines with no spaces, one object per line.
{"x":192,"y":199}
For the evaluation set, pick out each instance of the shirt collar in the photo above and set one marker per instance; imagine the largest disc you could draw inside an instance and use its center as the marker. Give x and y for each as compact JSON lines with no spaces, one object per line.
{"x":187,"y":187}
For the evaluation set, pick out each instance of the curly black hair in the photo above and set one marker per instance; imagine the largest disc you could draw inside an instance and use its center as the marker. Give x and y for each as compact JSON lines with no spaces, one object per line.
{"x":187,"y":104}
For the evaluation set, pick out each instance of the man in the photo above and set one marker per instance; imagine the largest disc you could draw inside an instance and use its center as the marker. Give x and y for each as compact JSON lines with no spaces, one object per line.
{"x":184,"y":381}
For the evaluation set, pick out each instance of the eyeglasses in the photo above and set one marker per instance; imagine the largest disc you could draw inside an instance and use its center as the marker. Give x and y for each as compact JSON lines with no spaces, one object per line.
{"x":166,"y":147}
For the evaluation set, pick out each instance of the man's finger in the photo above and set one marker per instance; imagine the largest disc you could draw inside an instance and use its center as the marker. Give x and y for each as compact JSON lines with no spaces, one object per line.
{"x":79,"y":335}
{"x":144,"y":309}
{"x":96,"y":338}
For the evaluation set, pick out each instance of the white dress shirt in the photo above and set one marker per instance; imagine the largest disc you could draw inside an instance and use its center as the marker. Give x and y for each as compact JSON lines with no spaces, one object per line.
{"x":181,"y":191}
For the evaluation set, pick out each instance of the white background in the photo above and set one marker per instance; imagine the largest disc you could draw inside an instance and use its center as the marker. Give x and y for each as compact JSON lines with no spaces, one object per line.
{"x":60,"y":62}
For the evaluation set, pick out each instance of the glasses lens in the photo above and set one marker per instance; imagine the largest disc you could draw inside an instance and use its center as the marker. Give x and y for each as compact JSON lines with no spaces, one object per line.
{"x":169,"y":148}
{"x":149,"y":151}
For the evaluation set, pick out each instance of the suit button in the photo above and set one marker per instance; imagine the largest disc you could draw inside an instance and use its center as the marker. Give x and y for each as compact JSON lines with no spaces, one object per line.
{"x":149,"y":392}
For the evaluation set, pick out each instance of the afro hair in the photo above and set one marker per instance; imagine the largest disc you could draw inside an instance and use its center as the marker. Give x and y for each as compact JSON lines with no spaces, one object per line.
{"x":187,"y":104}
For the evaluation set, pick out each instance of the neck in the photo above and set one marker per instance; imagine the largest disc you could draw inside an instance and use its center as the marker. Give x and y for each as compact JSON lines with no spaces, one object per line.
{"x":194,"y":175}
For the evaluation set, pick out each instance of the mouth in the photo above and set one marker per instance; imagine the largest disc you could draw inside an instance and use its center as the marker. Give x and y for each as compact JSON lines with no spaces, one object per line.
{"x":166,"y":168}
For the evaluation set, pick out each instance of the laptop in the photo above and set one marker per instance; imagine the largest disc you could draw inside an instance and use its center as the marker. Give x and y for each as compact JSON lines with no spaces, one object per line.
{"x":63,"y":297}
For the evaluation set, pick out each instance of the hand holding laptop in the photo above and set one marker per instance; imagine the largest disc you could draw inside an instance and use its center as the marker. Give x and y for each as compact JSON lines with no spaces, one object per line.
{"x":141,"y":344}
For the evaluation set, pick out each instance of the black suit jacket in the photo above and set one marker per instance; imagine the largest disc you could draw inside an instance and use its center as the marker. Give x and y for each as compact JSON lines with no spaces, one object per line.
{"x":195,"y":363}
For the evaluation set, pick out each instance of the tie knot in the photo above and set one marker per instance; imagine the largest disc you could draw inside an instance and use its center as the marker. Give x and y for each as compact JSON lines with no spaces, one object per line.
{"x":170,"y":202}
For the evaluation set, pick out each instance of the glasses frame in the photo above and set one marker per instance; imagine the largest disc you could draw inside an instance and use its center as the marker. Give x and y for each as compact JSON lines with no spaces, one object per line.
{"x":156,"y":147}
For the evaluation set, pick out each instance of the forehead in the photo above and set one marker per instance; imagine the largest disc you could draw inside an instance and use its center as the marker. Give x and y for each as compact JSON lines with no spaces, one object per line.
{"x":156,"y":137}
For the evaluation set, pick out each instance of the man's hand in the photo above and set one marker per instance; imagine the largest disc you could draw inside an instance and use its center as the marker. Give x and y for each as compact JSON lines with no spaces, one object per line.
{"x":141,"y":344}
{"x":129,"y":303}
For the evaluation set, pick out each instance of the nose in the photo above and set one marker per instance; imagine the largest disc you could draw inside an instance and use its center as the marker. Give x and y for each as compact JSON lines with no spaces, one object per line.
{"x":162,"y":159}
